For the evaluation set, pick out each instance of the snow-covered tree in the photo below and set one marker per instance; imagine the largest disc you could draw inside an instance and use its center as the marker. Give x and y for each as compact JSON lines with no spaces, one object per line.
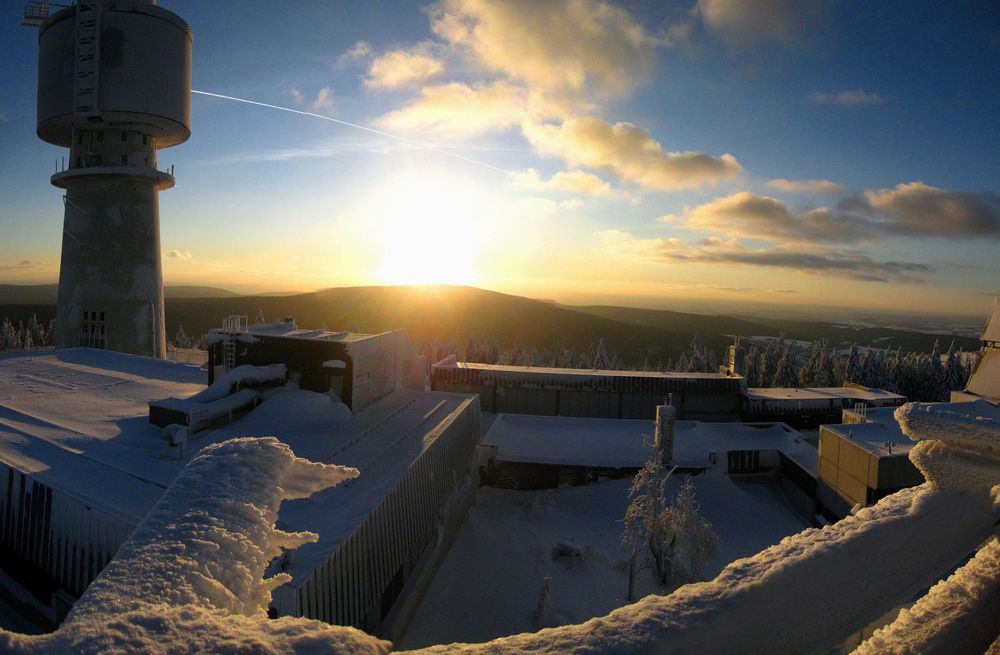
{"x":260,"y":316}
{"x":678,"y":541}
{"x":601,"y":359}
{"x":181,"y":339}
{"x":784,"y":371}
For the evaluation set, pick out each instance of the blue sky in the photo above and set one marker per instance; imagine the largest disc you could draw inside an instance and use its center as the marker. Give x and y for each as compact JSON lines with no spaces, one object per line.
{"x":655,"y":154}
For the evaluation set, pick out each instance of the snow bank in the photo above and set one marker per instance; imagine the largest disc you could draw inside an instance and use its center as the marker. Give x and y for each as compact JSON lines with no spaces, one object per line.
{"x":953,"y":618}
{"x":189,"y":579}
{"x":245,"y":375}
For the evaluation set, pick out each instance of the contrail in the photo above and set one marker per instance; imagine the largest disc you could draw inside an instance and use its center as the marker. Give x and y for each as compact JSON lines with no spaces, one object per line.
{"x":356,"y":126}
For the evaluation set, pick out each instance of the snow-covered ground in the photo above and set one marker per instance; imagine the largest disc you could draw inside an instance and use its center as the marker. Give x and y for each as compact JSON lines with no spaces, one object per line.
{"x":489,"y":584}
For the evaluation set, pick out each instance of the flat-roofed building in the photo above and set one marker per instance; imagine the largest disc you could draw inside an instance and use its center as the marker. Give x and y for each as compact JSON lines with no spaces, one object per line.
{"x":591,"y":393}
{"x":863,"y":460}
{"x":81,"y":465}
{"x":808,"y":407}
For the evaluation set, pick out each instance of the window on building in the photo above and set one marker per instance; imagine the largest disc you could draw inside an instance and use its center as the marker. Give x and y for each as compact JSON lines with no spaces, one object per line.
{"x":124,"y":160}
{"x":93,"y":330}
{"x":79,"y":139}
{"x":145,"y":140}
{"x":100,"y":137}
{"x":124,"y":137}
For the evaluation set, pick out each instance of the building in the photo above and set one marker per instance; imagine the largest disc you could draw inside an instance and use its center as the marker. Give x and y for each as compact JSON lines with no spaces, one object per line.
{"x":809,"y":407}
{"x":591,"y":393}
{"x":81,"y":465}
{"x":357,"y":369}
{"x":114,"y":80}
{"x":862,"y":460}
{"x":548,"y":451}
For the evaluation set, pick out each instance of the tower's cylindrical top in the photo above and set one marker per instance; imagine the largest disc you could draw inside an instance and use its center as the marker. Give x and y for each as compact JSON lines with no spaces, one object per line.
{"x":143,"y":73}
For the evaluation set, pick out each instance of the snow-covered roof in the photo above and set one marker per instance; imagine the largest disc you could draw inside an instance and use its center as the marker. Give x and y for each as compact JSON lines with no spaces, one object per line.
{"x":617,"y":443}
{"x":77,"y":420}
{"x":289,"y":329}
{"x":873,"y":436}
{"x":992,"y":330}
{"x":511,"y":370}
{"x":819,"y":393}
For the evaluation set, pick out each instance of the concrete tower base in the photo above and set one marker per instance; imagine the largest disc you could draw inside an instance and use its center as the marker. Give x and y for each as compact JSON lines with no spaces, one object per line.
{"x":111,"y":280}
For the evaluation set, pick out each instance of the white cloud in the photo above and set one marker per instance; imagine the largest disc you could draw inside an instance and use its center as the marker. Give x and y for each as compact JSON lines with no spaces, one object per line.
{"x":849,"y":98}
{"x":359,"y":51}
{"x":400,"y":68}
{"x":457,"y":110}
{"x":178,"y":254}
{"x":742,"y":23}
{"x":25,"y":264}
{"x":563,"y":181}
{"x":819,"y":187}
{"x":553,"y":46}
{"x":630,"y":152}
{"x":324,"y":100}
{"x":916,"y":209}
{"x":297,"y":96}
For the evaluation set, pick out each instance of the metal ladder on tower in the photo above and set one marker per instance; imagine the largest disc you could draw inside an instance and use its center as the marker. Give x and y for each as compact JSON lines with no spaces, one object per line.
{"x":232,"y":327}
{"x":86,"y":63}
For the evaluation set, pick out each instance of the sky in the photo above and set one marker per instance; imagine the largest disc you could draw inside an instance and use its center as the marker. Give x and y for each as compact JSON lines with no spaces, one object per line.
{"x":725,"y":153}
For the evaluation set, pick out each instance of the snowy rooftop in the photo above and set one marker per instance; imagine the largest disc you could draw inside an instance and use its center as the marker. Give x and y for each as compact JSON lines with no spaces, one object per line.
{"x":580,"y":372}
{"x":885,"y":428}
{"x":289,"y":329}
{"x":616,"y":443}
{"x":818,"y":393}
{"x":77,"y":420}
{"x":873,"y":436}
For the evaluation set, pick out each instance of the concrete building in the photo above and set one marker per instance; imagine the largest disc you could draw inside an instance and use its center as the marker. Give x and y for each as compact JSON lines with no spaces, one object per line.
{"x":809,"y":407}
{"x":863,"y":460}
{"x":591,"y":393}
{"x":357,"y":369}
{"x":114,"y":79}
{"x":80,"y":467}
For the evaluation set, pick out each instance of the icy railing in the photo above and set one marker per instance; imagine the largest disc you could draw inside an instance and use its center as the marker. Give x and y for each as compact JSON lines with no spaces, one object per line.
{"x":190,"y":577}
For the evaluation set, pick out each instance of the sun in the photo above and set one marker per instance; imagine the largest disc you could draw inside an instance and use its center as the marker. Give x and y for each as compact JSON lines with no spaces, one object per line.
{"x":432,"y":229}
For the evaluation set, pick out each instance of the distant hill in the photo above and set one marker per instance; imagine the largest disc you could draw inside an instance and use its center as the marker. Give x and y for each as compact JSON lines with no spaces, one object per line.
{"x":434,"y":314}
{"x":45,"y":294}
{"x":836,"y":334}
{"x":442,"y":313}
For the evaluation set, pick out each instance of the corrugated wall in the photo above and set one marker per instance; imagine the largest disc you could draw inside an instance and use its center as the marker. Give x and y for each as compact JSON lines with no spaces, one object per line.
{"x":359,"y":583}
{"x":62,"y":538}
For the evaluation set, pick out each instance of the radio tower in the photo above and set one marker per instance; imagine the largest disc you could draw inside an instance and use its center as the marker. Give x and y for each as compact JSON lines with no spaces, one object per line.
{"x":114,"y":86}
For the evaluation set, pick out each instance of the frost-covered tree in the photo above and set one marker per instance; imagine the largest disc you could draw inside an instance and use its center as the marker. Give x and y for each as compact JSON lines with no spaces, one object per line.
{"x":784,"y":371}
{"x":852,"y":367}
{"x":260,"y":316}
{"x":601,"y":359}
{"x":677,"y":540}
{"x":36,"y":332}
{"x":181,"y":339}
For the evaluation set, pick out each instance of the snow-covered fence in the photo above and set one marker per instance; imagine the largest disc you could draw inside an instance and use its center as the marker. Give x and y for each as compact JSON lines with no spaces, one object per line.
{"x":56,"y":535}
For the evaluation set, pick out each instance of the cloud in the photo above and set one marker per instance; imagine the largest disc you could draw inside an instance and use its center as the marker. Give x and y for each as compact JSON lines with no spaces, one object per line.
{"x":24,"y":265}
{"x":840,"y":264}
{"x":558,"y":45}
{"x":400,"y":68}
{"x":912,"y":210}
{"x":359,"y":51}
{"x":743,"y":23}
{"x":178,"y":254}
{"x":297,"y":96}
{"x":749,"y":215}
{"x":916,"y":209}
{"x":819,"y":187}
{"x":630,"y":152}
{"x":458,"y":110}
{"x":324,"y":149}
{"x":324,"y":99}
{"x":850,"y":98}
{"x":563,"y":181}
